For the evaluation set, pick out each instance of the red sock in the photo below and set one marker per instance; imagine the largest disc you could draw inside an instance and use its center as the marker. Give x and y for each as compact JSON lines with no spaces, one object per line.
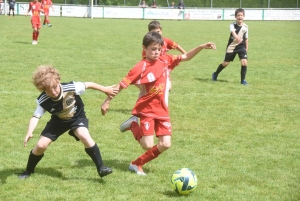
{"x":34,"y":35}
{"x":147,"y":156}
{"x":135,"y":129}
{"x":37,"y":35}
{"x":45,"y":21}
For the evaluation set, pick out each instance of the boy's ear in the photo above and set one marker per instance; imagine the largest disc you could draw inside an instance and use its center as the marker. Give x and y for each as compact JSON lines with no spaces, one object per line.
{"x":144,"y":47}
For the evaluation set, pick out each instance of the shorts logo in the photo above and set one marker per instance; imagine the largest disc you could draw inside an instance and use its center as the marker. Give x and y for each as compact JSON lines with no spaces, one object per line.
{"x":167,"y":125}
{"x":147,"y":125}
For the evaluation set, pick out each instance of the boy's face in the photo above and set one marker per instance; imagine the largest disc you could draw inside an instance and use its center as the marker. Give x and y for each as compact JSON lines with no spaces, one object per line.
{"x":239,"y":17}
{"x":53,"y":91}
{"x":152,"y":51}
{"x":158,"y":30}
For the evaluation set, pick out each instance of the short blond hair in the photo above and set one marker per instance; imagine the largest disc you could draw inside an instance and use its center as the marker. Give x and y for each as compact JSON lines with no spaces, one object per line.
{"x":45,"y":76}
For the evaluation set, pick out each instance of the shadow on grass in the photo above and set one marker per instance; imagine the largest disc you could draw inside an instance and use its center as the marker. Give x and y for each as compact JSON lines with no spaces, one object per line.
{"x":116,"y":164}
{"x":51,"y":172}
{"x":172,"y":194}
{"x":21,"y":42}
{"x":124,"y":111}
{"x":209,"y":80}
{"x":46,"y":171}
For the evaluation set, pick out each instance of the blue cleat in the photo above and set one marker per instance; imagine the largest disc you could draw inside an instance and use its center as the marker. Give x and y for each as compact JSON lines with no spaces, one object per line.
{"x":244,"y":83}
{"x":214,"y":77}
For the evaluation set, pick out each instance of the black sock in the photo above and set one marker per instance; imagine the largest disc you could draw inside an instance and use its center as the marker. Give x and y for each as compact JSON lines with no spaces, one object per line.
{"x":94,"y":153}
{"x":33,"y":160}
{"x":219,"y":69}
{"x":243,"y":72}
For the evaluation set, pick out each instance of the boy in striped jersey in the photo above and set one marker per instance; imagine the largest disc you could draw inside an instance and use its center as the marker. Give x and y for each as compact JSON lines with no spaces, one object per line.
{"x":237,"y":44}
{"x":63,"y":102}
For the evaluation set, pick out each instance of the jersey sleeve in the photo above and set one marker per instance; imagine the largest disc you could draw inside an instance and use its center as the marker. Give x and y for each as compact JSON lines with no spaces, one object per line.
{"x":173,"y":61}
{"x":171,"y":45}
{"x":231,"y":27}
{"x":39,"y":111}
{"x":135,"y":75}
{"x":79,"y":88}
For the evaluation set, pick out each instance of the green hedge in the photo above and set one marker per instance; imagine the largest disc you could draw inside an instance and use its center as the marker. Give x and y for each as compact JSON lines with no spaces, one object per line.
{"x":192,"y":3}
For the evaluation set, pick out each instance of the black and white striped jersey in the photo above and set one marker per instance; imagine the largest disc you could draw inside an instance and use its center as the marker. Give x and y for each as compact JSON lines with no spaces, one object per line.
{"x":242,"y":32}
{"x":68,"y":106}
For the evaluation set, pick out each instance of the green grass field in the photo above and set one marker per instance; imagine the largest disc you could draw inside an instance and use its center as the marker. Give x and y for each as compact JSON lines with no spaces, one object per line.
{"x":243,"y":143}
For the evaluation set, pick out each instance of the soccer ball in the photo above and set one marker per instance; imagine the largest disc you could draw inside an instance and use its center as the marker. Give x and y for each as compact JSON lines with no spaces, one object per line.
{"x":184,"y":181}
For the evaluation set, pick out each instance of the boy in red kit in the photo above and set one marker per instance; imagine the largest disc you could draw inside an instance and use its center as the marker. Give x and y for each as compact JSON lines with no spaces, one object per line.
{"x":46,"y":4}
{"x":35,"y":7}
{"x":150,"y":75}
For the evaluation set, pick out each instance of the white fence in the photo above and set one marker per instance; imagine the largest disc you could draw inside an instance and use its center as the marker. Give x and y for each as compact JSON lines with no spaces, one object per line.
{"x":161,"y":13}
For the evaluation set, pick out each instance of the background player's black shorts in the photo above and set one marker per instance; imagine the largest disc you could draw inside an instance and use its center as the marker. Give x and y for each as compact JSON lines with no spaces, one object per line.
{"x":231,"y":56}
{"x":55,"y":129}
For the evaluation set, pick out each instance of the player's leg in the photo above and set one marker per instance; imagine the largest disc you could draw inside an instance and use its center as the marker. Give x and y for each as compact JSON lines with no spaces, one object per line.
{"x":228,"y":58}
{"x":37,"y":33}
{"x":132,"y":125}
{"x":244,"y":71}
{"x":48,"y":21}
{"x":13,"y":11}
{"x":244,"y":62}
{"x":163,"y":132}
{"x":91,"y":148}
{"x":36,"y":154}
{"x":9,"y":12}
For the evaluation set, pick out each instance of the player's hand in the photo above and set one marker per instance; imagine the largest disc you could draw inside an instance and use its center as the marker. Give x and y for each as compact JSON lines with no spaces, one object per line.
{"x":27,"y":138}
{"x":209,"y":45}
{"x":104,"y":107}
{"x":111,"y":91}
{"x":238,"y":40}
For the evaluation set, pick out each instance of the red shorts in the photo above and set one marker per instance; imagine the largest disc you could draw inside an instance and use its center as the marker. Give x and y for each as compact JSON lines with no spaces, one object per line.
{"x":36,"y":25}
{"x":149,"y":125}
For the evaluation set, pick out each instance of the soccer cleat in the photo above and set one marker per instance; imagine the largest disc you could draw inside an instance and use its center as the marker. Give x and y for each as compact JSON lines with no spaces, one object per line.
{"x":137,"y":169}
{"x":214,"y":77}
{"x":43,"y":25}
{"x":244,"y":83}
{"x":24,"y":175}
{"x":49,"y":25}
{"x":34,"y":42}
{"x":103,"y":171}
{"x":125,"y":126}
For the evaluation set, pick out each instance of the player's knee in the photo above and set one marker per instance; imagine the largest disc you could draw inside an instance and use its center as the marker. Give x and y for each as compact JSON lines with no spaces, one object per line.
{"x":147,"y":146}
{"x":164,"y":145}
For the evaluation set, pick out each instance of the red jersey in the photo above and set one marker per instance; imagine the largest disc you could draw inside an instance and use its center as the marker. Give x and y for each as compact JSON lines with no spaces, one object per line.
{"x":152,"y":78}
{"x":35,"y":7}
{"x":168,"y":45}
{"x":45,"y":5}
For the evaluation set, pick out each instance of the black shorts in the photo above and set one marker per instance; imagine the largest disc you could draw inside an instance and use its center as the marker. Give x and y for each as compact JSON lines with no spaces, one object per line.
{"x":11,"y":7}
{"x":230,"y":56}
{"x":55,"y":129}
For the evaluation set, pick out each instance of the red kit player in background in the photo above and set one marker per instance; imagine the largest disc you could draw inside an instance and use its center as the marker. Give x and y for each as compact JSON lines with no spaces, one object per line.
{"x":35,"y":7}
{"x":46,"y":4}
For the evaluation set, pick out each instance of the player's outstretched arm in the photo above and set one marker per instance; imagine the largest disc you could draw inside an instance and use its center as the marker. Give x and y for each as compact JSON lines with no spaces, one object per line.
{"x":110,"y":91}
{"x":193,"y":52}
{"x":105,"y":104}
{"x":31,"y":126}
{"x":180,"y":49}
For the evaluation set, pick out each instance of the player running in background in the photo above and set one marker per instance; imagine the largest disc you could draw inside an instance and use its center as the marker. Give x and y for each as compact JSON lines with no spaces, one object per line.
{"x":63,"y":102}
{"x":35,"y":7}
{"x":46,"y":4}
{"x":237,"y":44}
{"x":168,"y":43}
{"x":11,"y":4}
{"x":150,"y":75}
